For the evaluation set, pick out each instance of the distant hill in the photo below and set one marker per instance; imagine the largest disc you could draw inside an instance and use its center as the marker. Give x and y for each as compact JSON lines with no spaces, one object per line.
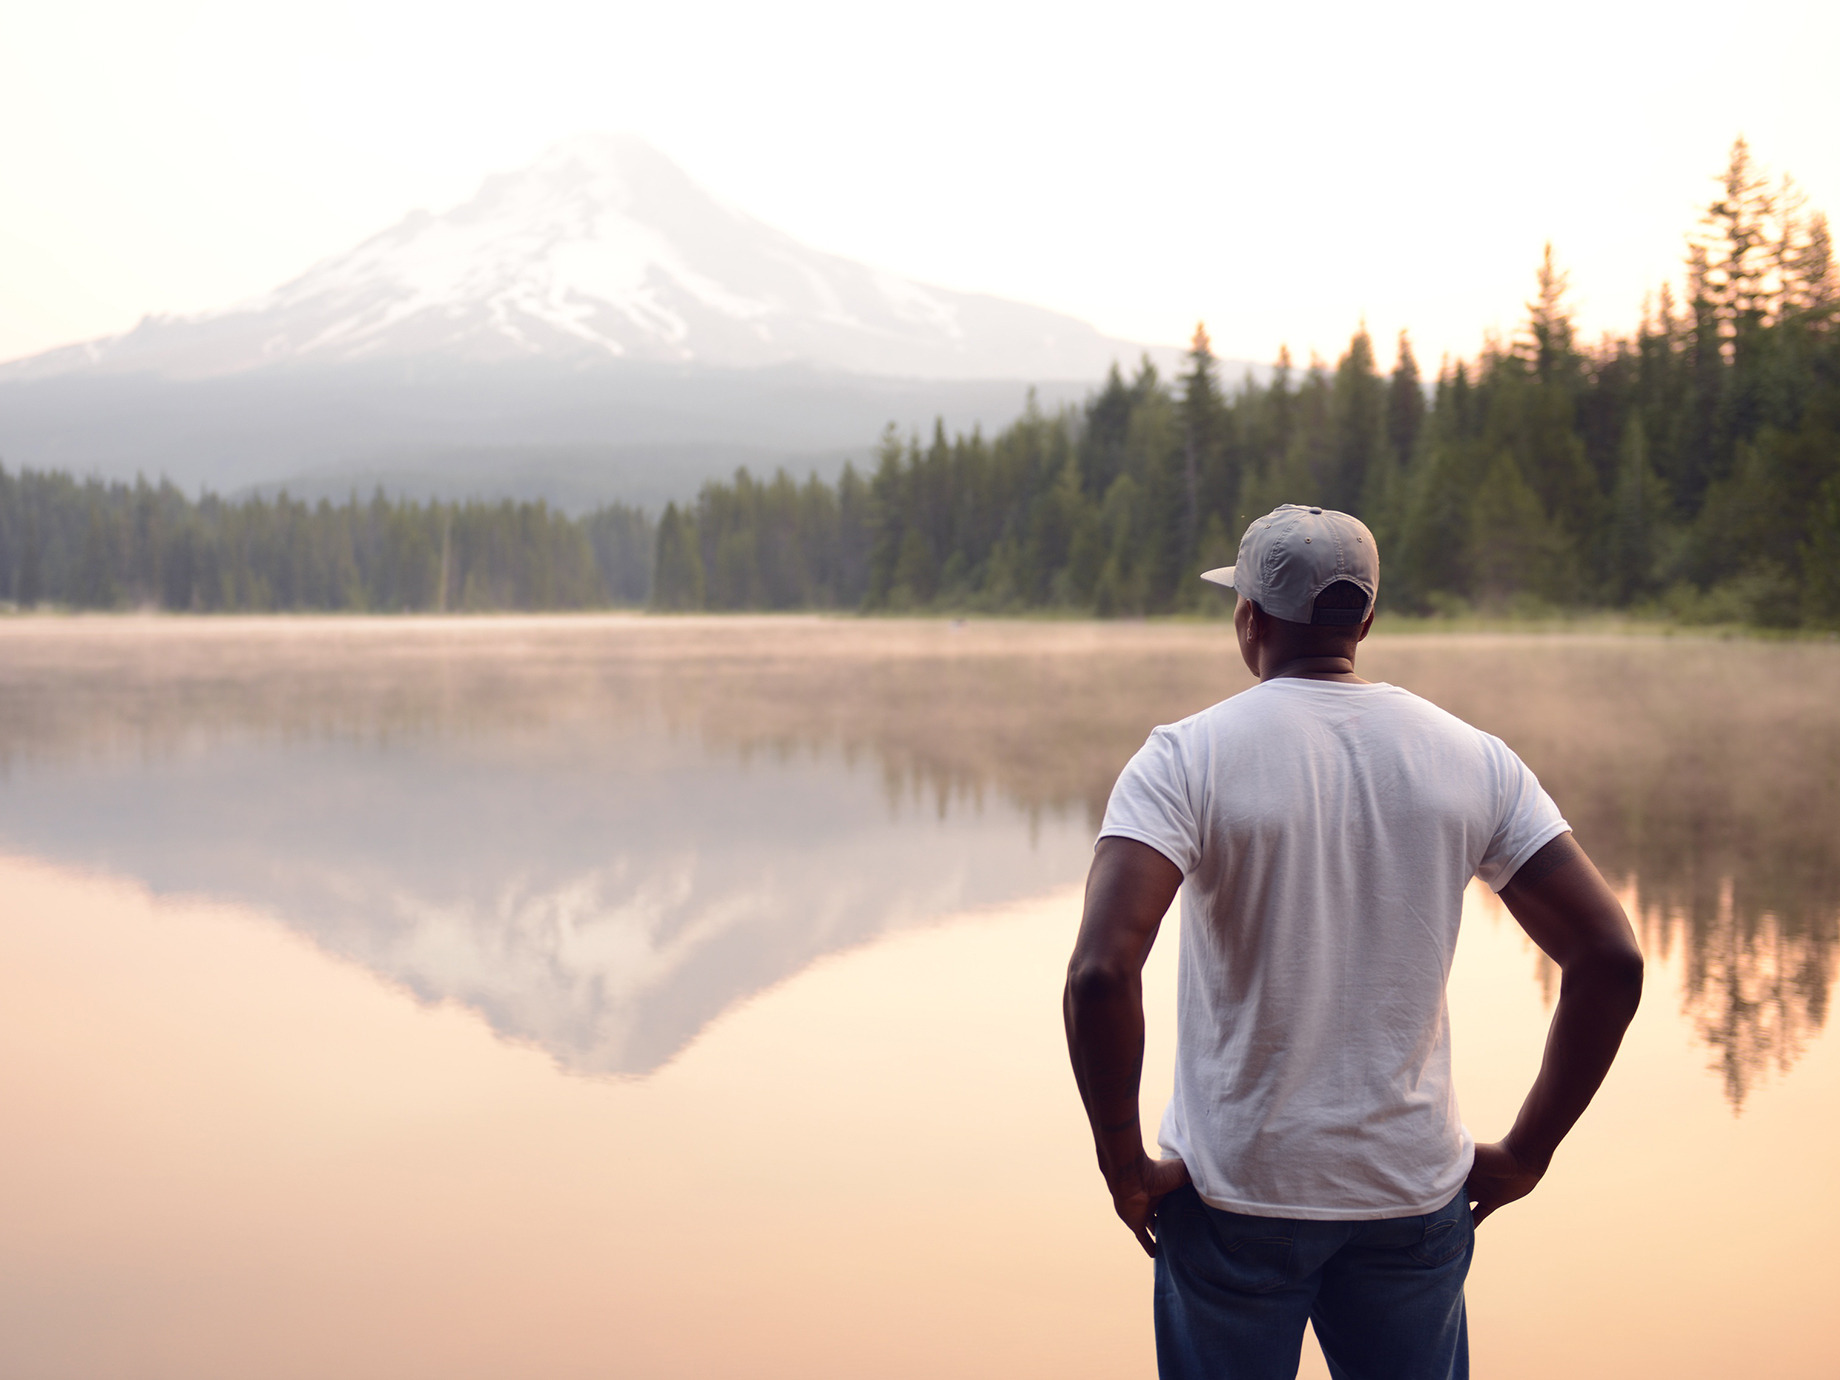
{"x":591,"y":318}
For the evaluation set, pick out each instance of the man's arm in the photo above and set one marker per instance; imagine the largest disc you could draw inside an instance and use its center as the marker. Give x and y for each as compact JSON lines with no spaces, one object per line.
{"x":1128,"y":891}
{"x":1567,"y":908}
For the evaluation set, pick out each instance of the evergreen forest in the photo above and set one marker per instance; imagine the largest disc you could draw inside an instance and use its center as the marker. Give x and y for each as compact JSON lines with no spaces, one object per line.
{"x":1690,"y":468}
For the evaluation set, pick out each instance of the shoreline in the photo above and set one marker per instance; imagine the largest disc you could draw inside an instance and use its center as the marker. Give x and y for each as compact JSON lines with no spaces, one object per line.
{"x":1388,"y":626}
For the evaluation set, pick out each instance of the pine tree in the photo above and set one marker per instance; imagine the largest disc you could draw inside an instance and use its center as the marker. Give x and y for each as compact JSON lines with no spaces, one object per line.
{"x":1811,"y":285}
{"x":1820,"y":559}
{"x":1638,"y":508}
{"x":1357,"y":419}
{"x":1736,"y":242}
{"x":887,"y":512}
{"x":1108,"y":425}
{"x":1547,"y":347}
{"x":1201,"y":430}
{"x":1513,"y":548}
{"x":1405,"y":403}
{"x":677,"y":584}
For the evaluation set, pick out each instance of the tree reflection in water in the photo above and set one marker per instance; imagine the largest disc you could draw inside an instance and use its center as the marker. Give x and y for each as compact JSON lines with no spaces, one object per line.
{"x":1705,"y":773}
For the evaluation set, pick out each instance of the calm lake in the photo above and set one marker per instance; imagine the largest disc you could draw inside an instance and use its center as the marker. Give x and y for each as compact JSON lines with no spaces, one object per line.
{"x":627,"y":996}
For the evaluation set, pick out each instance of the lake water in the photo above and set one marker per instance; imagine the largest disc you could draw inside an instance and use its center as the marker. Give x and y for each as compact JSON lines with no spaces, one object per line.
{"x":584,"y":997}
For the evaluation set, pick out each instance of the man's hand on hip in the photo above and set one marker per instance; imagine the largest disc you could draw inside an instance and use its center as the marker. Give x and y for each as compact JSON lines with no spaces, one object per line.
{"x":1136,"y":1190}
{"x":1497,"y":1178}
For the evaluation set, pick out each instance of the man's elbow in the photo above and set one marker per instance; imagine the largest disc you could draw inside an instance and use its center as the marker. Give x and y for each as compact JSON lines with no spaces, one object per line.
{"x":1630,"y":967}
{"x":1096,"y":979}
{"x":1614,"y":973}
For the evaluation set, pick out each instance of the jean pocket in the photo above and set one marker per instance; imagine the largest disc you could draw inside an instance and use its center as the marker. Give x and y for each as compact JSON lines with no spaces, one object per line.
{"x":1251,"y":1255}
{"x":1447,"y":1232}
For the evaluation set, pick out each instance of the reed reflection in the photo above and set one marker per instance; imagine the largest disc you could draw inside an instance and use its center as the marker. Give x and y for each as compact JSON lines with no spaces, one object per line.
{"x":602,"y":833}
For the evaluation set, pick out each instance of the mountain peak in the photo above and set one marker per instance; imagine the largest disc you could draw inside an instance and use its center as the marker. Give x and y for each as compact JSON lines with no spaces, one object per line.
{"x":604,"y":250}
{"x":603,"y":151}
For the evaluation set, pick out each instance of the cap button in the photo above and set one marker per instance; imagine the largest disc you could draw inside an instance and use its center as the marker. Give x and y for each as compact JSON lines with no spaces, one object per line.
{"x":1316,"y":510}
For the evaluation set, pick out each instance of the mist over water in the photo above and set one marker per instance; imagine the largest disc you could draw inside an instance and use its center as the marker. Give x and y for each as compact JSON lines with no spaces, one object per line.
{"x":600,"y":834}
{"x":528,"y":827}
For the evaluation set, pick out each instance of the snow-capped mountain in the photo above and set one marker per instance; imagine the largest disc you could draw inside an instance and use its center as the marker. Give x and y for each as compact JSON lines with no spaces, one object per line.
{"x":603,"y":250}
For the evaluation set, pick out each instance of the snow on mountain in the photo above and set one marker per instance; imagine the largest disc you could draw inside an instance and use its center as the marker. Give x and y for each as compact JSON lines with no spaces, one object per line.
{"x":603,"y":249}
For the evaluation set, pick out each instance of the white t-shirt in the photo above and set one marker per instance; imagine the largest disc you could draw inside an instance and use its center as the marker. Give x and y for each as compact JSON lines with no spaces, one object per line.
{"x":1326,"y":831}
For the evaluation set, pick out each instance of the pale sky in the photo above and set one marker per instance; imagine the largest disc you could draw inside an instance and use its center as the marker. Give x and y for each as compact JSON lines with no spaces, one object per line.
{"x":1282,"y":171}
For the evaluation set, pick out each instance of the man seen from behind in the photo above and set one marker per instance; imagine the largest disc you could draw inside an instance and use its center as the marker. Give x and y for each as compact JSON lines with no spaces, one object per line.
{"x":1321,"y":830}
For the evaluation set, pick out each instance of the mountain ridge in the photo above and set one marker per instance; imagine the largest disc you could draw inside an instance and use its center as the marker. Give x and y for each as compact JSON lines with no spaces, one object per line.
{"x":602,"y":250}
{"x":594,"y":326}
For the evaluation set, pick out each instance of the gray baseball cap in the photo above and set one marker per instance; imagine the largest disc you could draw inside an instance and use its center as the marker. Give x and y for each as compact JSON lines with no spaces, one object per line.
{"x":1293,"y":554}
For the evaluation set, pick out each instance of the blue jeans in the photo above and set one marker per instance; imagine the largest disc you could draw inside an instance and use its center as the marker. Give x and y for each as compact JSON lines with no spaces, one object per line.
{"x":1386,"y":1297}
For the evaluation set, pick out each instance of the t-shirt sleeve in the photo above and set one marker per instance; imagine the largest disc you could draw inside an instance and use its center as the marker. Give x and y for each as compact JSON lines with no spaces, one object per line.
{"x":1150,"y":802}
{"x":1526,"y":819}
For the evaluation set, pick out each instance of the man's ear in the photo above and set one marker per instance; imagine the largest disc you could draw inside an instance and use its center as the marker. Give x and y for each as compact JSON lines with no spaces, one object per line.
{"x":1249,"y":633}
{"x":1251,"y":618}
{"x":1367,"y":625}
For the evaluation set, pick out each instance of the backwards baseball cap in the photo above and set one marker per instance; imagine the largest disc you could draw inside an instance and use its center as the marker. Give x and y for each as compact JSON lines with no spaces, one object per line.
{"x":1293,"y":554}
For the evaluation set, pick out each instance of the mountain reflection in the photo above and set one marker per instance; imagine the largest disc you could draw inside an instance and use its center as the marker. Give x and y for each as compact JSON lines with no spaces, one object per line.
{"x":602,"y":833}
{"x":539,"y":843}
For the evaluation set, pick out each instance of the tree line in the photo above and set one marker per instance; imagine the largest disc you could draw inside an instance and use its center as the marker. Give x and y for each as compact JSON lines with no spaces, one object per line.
{"x":1691,"y":467}
{"x":94,"y":544}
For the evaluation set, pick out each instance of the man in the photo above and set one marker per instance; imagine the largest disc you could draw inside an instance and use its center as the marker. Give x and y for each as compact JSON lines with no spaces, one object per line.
{"x":1321,"y":830}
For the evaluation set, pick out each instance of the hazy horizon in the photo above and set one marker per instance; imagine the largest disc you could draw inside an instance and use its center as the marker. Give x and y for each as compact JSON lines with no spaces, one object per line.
{"x":1282,"y":177}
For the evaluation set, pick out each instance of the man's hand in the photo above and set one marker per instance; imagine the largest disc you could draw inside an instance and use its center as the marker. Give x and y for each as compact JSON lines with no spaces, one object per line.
{"x":1138,"y":1188}
{"x":1497,"y":1178}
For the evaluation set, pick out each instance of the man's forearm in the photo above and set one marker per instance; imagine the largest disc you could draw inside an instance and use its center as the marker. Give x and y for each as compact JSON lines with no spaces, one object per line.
{"x":1127,"y":892}
{"x":1104,"y":1012}
{"x":1598,"y":995}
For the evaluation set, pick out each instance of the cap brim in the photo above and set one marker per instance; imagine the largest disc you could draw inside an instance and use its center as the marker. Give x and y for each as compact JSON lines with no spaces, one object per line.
{"x":1221,"y":575}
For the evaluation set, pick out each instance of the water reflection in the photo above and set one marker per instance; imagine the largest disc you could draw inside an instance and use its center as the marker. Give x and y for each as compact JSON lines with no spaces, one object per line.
{"x":601,"y":833}
{"x":541,"y":846}
{"x":1708,"y":774}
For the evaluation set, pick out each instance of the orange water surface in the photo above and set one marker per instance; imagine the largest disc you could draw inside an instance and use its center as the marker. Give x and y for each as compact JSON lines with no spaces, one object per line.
{"x":261,"y":1124}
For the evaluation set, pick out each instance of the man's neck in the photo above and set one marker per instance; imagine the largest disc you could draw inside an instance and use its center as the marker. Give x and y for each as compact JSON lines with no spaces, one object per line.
{"x":1315,"y":668}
